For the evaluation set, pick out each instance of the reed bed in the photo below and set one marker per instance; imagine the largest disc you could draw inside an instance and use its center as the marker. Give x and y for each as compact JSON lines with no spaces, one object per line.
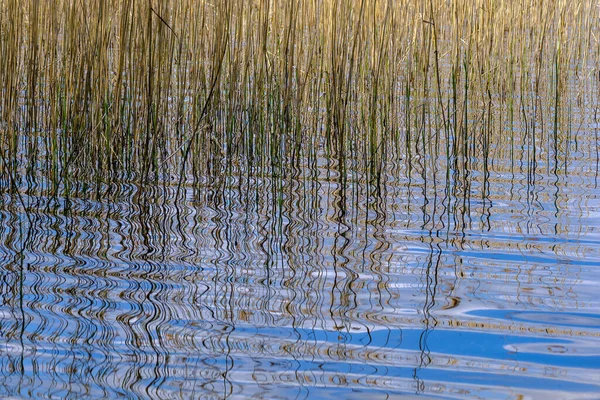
{"x":174,"y":91}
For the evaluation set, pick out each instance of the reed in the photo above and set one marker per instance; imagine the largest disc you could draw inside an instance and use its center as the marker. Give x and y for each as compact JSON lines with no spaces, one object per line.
{"x":171,"y":91}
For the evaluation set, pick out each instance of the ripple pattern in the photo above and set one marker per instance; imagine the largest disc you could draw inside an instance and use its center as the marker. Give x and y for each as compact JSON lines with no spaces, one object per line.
{"x":309,"y":281}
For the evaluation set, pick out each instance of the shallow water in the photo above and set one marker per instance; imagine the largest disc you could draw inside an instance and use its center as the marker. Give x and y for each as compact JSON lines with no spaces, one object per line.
{"x":258,"y":284}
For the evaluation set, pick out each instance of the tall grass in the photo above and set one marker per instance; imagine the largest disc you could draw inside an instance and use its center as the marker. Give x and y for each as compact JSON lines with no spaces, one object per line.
{"x":171,"y":91}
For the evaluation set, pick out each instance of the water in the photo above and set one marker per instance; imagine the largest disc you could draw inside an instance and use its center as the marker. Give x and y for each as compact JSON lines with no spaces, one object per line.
{"x":313,"y":283}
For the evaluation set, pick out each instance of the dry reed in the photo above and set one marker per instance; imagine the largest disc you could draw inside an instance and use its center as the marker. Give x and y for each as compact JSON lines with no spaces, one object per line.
{"x":168,"y":90}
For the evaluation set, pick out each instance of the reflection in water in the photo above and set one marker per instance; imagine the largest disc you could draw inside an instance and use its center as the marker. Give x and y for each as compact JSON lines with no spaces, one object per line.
{"x":468,"y":277}
{"x":446,"y":265}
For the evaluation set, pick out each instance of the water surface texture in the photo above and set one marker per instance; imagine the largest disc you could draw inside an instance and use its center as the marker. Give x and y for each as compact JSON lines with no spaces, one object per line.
{"x":314,"y":284}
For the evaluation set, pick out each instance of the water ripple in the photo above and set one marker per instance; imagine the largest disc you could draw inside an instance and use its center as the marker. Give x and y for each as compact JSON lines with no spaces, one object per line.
{"x":310,"y":277}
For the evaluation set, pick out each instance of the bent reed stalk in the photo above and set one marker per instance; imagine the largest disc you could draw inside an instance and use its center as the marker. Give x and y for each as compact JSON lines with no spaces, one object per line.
{"x":150,"y":91}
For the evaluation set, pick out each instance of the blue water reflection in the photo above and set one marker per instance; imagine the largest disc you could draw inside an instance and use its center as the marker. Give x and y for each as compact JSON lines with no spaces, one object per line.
{"x":429,"y":284}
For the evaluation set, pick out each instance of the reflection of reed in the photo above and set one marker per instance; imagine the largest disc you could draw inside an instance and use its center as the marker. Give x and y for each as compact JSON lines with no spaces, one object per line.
{"x":304,"y":269}
{"x":242,"y":283}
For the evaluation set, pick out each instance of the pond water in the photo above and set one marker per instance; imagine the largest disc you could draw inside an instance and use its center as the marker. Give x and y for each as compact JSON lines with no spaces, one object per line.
{"x":314,"y":282}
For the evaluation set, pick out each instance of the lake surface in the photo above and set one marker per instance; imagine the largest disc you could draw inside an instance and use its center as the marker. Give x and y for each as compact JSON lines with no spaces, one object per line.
{"x":313,"y":282}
